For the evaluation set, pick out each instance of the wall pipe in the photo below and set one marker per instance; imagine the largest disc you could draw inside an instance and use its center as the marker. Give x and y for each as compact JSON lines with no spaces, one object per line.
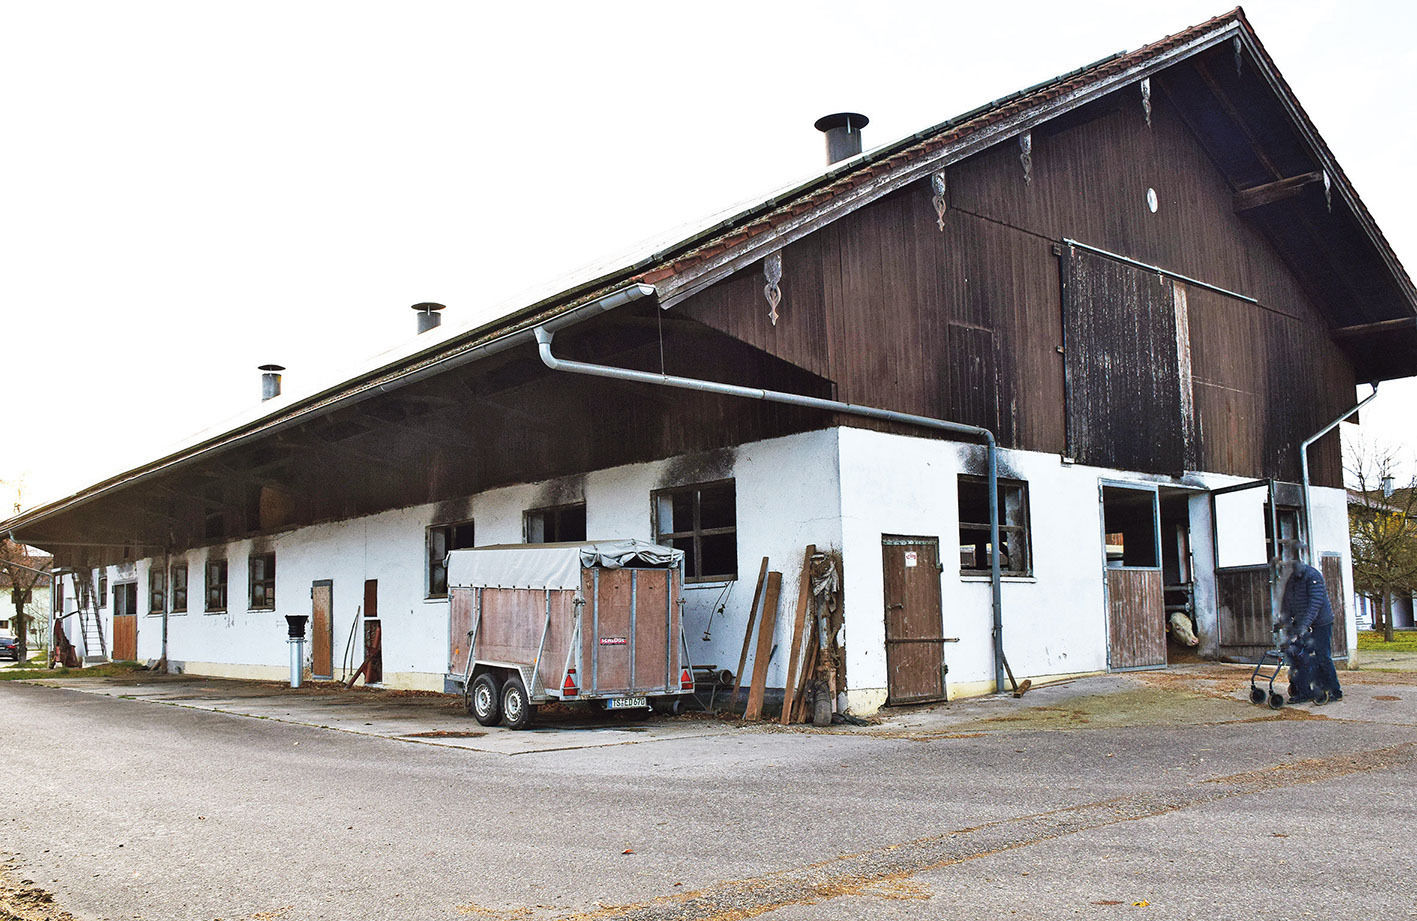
{"x":1304,"y":467}
{"x":544,"y":336}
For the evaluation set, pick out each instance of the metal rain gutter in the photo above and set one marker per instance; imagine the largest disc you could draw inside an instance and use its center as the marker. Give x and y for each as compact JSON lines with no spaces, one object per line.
{"x":545,"y":333}
{"x":1304,"y":466}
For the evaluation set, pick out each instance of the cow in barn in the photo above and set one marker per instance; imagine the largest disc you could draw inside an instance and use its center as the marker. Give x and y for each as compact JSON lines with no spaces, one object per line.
{"x":1180,"y":628}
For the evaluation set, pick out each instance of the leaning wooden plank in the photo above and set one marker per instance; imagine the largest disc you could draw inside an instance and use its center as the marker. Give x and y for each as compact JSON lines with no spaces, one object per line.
{"x":804,"y":594}
{"x":748,"y":634}
{"x":766,"y":627}
{"x":809,"y":670}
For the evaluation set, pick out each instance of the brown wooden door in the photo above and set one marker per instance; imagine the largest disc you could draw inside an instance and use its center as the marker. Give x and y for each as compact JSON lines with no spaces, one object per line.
{"x":125,"y":622}
{"x":915,"y":657}
{"x":373,"y":633}
{"x":1331,"y":565}
{"x":322,"y":638}
{"x":1136,"y":618}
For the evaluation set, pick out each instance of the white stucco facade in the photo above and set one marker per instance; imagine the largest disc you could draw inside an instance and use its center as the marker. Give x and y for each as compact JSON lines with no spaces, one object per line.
{"x":840,"y":489}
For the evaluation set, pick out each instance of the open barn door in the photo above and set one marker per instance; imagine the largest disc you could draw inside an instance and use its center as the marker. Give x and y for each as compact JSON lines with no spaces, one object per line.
{"x":1244,"y":517}
{"x":1136,"y":613}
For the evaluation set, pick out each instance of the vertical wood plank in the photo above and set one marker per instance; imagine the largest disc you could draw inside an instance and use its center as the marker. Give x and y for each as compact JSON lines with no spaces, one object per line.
{"x":767,"y":626}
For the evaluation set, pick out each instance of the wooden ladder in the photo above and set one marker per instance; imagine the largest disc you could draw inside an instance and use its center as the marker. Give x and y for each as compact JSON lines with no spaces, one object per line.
{"x":91,"y":629}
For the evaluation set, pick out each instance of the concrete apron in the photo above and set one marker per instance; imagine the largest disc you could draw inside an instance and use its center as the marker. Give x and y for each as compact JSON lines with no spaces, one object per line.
{"x":429,"y":720}
{"x":1210,"y":694}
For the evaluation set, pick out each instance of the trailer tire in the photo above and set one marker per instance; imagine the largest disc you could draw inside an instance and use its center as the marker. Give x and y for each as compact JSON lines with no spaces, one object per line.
{"x":484,"y":700}
{"x":517,"y":710}
{"x":669,"y":706}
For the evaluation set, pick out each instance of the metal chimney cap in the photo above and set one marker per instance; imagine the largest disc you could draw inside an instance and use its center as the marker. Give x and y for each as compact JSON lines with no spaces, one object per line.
{"x":271,"y":368}
{"x":428,"y":307}
{"x":849,"y":120}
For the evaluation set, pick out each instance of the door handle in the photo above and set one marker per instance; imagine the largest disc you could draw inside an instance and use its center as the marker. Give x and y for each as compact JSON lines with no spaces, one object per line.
{"x":895,"y":607}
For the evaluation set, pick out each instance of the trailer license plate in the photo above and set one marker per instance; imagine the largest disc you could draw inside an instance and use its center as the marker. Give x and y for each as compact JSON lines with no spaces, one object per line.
{"x":626,"y":703}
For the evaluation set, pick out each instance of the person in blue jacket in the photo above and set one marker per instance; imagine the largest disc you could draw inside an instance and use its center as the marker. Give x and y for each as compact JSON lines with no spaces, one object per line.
{"x":1308,"y":619}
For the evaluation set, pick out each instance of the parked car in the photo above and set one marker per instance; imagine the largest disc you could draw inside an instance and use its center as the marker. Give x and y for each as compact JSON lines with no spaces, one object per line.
{"x":9,"y":647}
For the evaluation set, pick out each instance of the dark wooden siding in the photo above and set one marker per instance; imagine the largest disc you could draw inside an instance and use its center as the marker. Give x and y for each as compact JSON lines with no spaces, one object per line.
{"x":1122,"y":369}
{"x":966,"y":323}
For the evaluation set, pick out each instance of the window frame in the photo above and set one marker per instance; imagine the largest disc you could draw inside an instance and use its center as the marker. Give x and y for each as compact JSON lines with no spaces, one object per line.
{"x":1023,"y":531}
{"x":697,"y":532}
{"x":267,"y":582}
{"x":450,"y":528}
{"x":172,"y":587}
{"x":557,"y":511}
{"x":221,"y":587}
{"x":157,"y":590}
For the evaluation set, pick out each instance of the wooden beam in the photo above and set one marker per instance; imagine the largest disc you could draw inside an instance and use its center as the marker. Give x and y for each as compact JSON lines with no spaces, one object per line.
{"x":766,"y":629}
{"x":1373,"y":329}
{"x":1270,"y":192}
{"x":748,"y":633}
{"x":804,"y":594}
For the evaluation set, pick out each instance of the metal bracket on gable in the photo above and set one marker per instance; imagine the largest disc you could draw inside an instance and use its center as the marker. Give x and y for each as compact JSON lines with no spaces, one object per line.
{"x":937,"y":186}
{"x":1328,"y":191}
{"x":772,"y":274}
{"x":1025,"y":145}
{"x":1239,"y":55}
{"x":1146,"y":99}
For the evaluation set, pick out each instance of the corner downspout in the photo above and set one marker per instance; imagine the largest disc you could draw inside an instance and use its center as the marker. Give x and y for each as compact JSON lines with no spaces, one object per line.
{"x":544,"y":336}
{"x":1304,"y":466}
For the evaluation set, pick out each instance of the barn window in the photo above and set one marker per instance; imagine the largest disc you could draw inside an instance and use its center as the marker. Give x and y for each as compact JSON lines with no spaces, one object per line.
{"x":556,"y":524}
{"x":1014,"y":556}
{"x":103,"y":587}
{"x":179,"y":587}
{"x":701,"y":520}
{"x":155,"y":591}
{"x":263,"y":581}
{"x":216,"y":585}
{"x":441,"y":539}
{"x":1129,"y":518}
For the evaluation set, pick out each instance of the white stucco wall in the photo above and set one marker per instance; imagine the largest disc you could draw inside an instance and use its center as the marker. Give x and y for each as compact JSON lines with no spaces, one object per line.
{"x":787,"y":493}
{"x":841,"y":489}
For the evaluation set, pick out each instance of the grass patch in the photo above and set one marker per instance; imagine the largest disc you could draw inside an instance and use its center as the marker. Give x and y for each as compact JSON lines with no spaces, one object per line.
{"x":107,"y":670}
{"x":1402,"y":641}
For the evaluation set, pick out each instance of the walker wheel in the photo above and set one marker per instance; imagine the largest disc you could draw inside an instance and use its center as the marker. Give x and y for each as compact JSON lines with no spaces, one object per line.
{"x":1276,"y":701}
{"x":1257,"y":695}
{"x":1320,"y":697}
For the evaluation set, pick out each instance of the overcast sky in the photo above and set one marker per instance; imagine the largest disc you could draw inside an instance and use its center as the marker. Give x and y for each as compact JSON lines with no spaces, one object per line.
{"x":194,"y":189}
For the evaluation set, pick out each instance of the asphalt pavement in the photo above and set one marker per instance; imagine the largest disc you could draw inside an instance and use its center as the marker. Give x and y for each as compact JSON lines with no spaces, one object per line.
{"x":1164,"y":794}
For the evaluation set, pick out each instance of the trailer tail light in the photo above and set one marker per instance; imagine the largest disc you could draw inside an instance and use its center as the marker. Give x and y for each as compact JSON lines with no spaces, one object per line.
{"x":569,"y":688}
{"x":686,"y":680}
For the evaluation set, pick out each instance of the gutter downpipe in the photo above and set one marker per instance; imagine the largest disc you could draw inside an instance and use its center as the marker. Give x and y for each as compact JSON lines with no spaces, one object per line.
{"x":546,"y":332}
{"x":1304,"y":466}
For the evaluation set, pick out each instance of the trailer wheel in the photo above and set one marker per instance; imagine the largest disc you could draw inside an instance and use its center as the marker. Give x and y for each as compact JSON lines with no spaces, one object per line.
{"x":517,"y":710}
{"x":669,"y":706}
{"x":484,"y":701}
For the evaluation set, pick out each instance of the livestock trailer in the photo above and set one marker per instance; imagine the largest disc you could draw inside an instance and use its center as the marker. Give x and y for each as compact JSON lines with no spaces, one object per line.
{"x":598,"y":622}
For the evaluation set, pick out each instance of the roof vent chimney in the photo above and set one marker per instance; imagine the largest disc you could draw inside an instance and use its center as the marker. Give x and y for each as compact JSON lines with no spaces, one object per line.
{"x":428,"y":317}
{"x":843,"y":131}
{"x":270,"y":381}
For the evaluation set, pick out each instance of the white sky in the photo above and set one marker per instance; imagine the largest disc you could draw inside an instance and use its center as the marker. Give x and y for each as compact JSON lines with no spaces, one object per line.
{"x":193,"y":189}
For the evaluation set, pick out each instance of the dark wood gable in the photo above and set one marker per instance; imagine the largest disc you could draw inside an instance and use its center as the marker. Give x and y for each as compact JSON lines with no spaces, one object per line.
{"x":968,"y":322}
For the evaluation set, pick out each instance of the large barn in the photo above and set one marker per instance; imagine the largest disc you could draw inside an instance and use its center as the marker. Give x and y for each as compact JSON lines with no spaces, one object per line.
{"x":1120,"y":301}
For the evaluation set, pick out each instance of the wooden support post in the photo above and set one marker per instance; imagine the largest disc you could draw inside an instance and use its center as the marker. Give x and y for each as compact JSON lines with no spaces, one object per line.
{"x":766,"y":626}
{"x":748,"y":633}
{"x":804,"y":594}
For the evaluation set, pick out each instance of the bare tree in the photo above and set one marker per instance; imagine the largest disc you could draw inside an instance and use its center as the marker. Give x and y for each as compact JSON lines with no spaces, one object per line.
{"x":21,"y":572}
{"x":1382,"y":528}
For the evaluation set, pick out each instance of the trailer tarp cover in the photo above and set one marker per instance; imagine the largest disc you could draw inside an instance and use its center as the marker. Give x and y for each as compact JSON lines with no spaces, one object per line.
{"x":555,"y":566}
